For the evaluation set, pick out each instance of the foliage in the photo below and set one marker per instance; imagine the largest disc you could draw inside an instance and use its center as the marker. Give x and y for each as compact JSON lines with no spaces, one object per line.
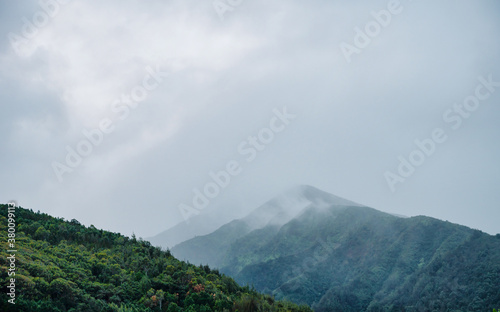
{"x":65,"y":266}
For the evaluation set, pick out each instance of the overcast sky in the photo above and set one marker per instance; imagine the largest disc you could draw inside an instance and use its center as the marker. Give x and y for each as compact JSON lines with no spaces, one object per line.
{"x":219,"y":77}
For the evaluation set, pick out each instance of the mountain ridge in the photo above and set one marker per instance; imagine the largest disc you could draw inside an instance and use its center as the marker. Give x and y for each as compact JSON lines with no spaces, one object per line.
{"x":286,"y":205}
{"x":355,"y":258}
{"x":206,"y":223}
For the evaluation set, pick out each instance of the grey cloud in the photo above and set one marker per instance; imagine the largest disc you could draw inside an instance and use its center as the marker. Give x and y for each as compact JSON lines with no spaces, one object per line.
{"x":353,"y":120}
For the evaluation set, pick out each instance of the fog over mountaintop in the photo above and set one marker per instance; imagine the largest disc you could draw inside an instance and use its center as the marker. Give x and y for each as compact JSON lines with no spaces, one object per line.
{"x":273,"y":214}
{"x":278,"y":210}
{"x":290,"y":203}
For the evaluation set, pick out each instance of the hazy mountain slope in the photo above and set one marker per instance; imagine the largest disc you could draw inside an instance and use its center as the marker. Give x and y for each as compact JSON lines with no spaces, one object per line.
{"x":211,"y":248}
{"x":242,"y":251}
{"x":362,"y":259}
{"x":354,"y":258}
{"x":466,"y":278}
{"x":198,"y":225}
{"x":64,"y":266}
{"x":358,"y":248}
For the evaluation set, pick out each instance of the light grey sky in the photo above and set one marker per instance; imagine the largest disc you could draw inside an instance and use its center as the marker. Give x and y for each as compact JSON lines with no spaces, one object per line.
{"x":225,"y":78}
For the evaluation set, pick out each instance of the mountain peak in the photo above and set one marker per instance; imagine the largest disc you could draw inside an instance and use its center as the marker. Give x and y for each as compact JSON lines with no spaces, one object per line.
{"x":316,"y":196}
{"x":292,"y":202}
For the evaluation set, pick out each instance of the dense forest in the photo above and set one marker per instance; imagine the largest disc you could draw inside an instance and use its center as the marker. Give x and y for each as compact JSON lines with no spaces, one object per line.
{"x":64,"y":266}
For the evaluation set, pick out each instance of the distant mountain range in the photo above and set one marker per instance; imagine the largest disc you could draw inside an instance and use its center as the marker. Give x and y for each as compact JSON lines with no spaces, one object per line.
{"x":202,"y":224}
{"x":312,"y":247}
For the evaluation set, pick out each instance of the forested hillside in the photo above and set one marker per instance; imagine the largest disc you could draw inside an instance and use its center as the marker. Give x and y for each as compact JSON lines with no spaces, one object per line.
{"x":64,"y":266}
{"x":351,"y":258}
